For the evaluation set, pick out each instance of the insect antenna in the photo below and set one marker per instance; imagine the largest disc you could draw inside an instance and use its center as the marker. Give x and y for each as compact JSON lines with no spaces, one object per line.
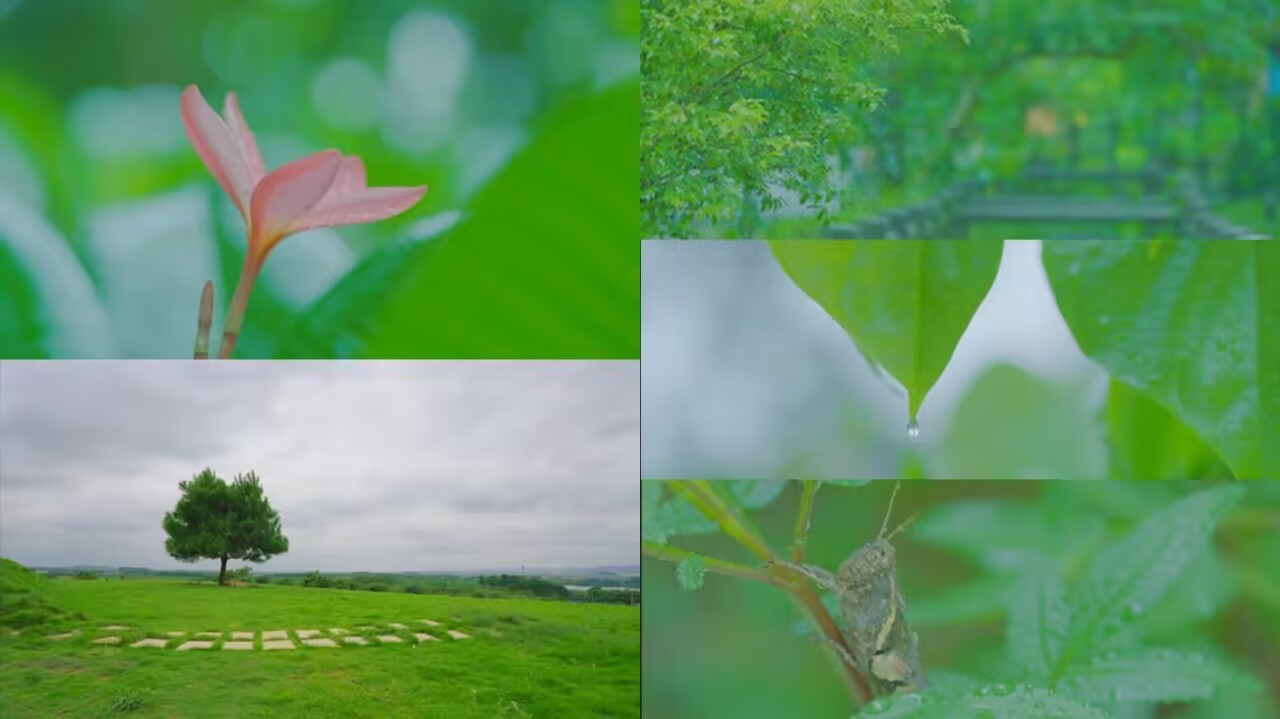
{"x":889,"y":512}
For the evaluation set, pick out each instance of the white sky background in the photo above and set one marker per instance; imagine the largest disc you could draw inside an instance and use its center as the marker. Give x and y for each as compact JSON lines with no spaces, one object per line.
{"x":373,"y":466}
{"x":743,"y":372}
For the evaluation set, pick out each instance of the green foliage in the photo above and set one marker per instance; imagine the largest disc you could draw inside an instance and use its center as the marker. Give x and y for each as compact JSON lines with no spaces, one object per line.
{"x":747,"y":96}
{"x":1194,"y":326}
{"x":1104,"y":614}
{"x":1188,"y":330}
{"x":216,"y":520}
{"x":904,"y":303}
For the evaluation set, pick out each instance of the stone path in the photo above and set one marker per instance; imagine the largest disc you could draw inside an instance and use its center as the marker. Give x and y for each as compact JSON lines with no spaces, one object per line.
{"x":270,"y":639}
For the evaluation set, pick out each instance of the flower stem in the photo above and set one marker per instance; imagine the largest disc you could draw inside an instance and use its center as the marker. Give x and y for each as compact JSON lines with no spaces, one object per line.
{"x":204,"y":322}
{"x":239,"y":302}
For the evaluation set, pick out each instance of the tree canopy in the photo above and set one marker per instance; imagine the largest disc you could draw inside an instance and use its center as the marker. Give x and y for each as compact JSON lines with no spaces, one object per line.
{"x":217,"y":520}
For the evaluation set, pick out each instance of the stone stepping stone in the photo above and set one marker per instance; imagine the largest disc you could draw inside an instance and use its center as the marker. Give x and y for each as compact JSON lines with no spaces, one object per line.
{"x":321,"y":642}
{"x":176,"y":634}
{"x":275,"y":634}
{"x":68,"y":635}
{"x":429,"y":623}
{"x":107,"y":640}
{"x":389,"y":639}
{"x":394,"y":625}
{"x":238,"y":646}
{"x":242,"y":635}
{"x":338,"y":631}
{"x":284,"y":644}
{"x":307,"y":633}
{"x":355,"y":640}
{"x":425,"y":638}
{"x":157,"y":643}
{"x":211,"y":635}
{"x":458,"y":635}
{"x":194,"y":644}
{"x":367,"y":628}
{"x":115,"y":628}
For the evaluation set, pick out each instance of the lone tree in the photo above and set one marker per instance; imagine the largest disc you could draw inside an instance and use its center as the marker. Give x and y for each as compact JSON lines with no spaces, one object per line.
{"x":216,"y":520}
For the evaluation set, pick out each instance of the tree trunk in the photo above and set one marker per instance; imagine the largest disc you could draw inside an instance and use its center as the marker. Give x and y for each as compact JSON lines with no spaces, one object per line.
{"x":222,"y":574}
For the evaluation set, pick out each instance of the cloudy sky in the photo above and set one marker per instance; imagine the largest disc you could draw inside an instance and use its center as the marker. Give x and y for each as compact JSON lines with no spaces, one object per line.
{"x":374,"y":466}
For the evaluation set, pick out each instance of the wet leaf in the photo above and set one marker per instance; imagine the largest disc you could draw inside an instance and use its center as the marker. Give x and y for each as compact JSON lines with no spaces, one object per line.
{"x":905,"y":303}
{"x":1193,"y":325}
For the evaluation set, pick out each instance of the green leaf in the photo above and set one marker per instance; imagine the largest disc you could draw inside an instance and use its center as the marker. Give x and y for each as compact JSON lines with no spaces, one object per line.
{"x":50,"y":306}
{"x":1150,"y":442}
{"x":980,"y":600}
{"x":905,"y":303}
{"x":690,"y":572}
{"x":1194,"y":325}
{"x":1025,"y":702}
{"x":990,"y":701}
{"x":1012,"y":424}
{"x":1038,"y":620}
{"x":1127,"y":577}
{"x":545,"y":264}
{"x":1148,"y":675}
{"x":754,"y":493}
{"x":675,"y":517}
{"x":1007,"y":535}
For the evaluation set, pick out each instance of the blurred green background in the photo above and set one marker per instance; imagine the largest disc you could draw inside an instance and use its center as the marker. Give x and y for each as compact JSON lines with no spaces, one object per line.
{"x":519,"y":116}
{"x":738,"y":648}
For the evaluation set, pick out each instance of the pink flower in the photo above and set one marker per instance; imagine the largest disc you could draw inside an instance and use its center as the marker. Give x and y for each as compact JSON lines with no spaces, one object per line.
{"x":325,"y":189}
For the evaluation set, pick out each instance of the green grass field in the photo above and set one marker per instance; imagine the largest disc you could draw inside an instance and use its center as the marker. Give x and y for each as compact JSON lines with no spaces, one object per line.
{"x":526,"y":658}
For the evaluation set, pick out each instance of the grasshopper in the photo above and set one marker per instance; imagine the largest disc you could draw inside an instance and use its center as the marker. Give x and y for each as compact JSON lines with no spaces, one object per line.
{"x":874,"y":612}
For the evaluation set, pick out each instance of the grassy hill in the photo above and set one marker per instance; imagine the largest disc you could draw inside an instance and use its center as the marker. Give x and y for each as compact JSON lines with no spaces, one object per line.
{"x":526,"y":658}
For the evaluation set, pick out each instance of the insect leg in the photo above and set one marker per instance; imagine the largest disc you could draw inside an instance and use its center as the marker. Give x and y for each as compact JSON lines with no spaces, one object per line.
{"x":820,"y":576}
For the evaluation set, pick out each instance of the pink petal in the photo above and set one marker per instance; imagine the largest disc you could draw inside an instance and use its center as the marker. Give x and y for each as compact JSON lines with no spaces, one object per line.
{"x":350,"y":178}
{"x":217,"y":148}
{"x":285,"y":195}
{"x":244,"y":136}
{"x":354,"y":208}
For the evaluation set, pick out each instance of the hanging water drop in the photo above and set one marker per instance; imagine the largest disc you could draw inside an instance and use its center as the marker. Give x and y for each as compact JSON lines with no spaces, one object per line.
{"x":913,"y":428}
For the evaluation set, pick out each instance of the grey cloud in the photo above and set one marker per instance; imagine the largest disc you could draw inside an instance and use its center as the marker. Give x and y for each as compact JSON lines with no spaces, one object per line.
{"x":372,"y":465}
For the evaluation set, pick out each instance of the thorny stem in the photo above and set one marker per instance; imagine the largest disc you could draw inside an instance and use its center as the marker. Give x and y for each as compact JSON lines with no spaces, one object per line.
{"x":700,"y":494}
{"x":810,"y":488}
{"x":204,"y":322}
{"x":239,"y":302}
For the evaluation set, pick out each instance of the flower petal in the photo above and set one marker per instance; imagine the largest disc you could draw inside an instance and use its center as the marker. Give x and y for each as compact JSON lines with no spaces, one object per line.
{"x":350,"y":178}
{"x":369,"y":205}
{"x":244,"y":136}
{"x":217,"y":148}
{"x":284,"y":196}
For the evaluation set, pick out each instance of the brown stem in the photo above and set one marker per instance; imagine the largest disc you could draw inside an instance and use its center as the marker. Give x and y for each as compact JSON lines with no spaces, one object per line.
{"x":239,"y":302}
{"x":204,"y":322}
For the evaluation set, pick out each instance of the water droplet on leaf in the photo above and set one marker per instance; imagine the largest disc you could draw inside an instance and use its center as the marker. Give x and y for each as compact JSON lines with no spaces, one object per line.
{"x":913,"y":429}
